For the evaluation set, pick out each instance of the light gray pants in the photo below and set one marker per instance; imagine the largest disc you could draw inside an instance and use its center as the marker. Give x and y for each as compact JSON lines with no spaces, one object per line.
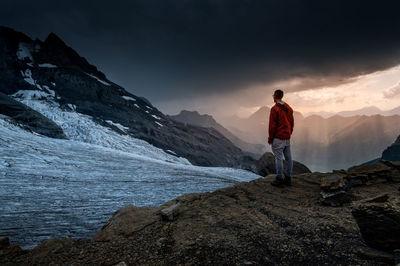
{"x":280,"y":148}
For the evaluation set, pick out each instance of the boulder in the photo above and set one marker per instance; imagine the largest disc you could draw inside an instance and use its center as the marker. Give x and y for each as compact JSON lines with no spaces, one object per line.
{"x":171,"y":212}
{"x":266,"y":165}
{"x":127,"y":221}
{"x":333,"y":190}
{"x":379,"y":224}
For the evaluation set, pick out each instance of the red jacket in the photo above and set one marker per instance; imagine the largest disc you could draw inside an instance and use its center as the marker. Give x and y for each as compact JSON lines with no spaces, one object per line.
{"x":281,"y":122}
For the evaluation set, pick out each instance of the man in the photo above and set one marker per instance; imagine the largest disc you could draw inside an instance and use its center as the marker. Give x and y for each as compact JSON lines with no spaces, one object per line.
{"x":281,"y":123}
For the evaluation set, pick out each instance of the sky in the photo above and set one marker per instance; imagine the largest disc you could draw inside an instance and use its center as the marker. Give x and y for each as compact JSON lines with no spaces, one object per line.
{"x":225,"y":57}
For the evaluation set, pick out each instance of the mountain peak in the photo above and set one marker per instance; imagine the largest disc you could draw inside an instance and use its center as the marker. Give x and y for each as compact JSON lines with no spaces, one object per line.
{"x":261,"y":113}
{"x":53,"y":39}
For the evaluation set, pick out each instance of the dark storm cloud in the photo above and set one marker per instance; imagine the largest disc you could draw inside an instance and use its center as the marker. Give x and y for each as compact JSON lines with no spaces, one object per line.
{"x":186,"y":48}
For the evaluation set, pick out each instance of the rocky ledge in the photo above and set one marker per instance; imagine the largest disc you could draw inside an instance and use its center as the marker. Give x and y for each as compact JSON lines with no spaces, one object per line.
{"x":251,"y":223}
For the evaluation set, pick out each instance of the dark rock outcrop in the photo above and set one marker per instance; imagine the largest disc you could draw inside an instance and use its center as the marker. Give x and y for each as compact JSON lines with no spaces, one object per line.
{"x":382,"y":171}
{"x":28,"y":118}
{"x":333,"y":190}
{"x":336,"y":187}
{"x":392,"y":153}
{"x":266,"y":165}
{"x":379,"y":224}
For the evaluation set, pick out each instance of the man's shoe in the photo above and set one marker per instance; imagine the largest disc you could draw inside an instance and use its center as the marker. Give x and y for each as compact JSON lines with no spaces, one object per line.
{"x":287,"y":180}
{"x":278,"y":182}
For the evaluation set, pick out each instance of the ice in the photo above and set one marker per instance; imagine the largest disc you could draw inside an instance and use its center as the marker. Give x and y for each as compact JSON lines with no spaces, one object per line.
{"x":56,"y":188}
{"x":156,"y":117}
{"x":99,"y":80}
{"x":81,"y":127}
{"x":128,"y":98}
{"x":24,"y":51}
{"x":47,"y":65}
{"x":121,"y":127}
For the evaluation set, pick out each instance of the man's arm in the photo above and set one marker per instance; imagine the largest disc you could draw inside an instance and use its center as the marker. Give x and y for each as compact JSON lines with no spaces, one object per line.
{"x":272,"y":125}
{"x":291,"y":120}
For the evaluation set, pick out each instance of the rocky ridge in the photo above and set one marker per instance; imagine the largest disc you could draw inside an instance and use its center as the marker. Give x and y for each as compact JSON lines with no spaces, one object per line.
{"x":250,"y":223}
{"x":194,"y":118}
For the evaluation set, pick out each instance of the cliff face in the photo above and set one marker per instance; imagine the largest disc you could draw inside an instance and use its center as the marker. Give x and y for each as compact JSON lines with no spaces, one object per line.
{"x":249,"y":223}
{"x":392,"y":153}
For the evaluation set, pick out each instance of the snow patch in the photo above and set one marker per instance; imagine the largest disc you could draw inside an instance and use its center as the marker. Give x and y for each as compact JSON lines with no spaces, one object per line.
{"x":137,"y":106}
{"x":121,"y":127}
{"x":156,"y":117}
{"x":161,"y":125}
{"x":171,"y":152}
{"x":99,"y":80}
{"x":47,"y":65}
{"x":80,"y":127}
{"x":52,"y":83}
{"x":72,"y":106}
{"x":148,"y":107}
{"x":128,"y":98}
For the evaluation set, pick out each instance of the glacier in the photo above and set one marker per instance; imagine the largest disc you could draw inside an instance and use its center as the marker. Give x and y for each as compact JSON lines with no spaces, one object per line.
{"x":70,"y":187}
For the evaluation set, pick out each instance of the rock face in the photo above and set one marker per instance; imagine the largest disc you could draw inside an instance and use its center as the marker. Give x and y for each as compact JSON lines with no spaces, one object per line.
{"x":266,"y":165}
{"x":196,"y":119}
{"x":392,"y":153}
{"x":29,"y":118}
{"x":333,"y":190}
{"x":336,"y":187}
{"x":379,"y":224}
{"x":51,"y":67}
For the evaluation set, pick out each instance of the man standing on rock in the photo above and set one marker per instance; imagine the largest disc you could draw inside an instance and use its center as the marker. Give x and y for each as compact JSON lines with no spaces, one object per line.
{"x":281,"y":123}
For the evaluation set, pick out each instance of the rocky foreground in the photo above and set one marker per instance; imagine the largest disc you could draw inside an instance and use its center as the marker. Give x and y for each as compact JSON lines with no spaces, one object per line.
{"x":249,"y":223}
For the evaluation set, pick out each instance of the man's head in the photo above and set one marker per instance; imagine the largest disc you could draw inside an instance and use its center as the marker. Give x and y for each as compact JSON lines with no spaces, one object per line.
{"x":278,"y":95}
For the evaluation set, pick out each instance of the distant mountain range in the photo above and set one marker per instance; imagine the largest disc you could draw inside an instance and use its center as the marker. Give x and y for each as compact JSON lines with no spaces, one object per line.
{"x":369,"y":110}
{"x":52,"y":71}
{"x":322,"y":143}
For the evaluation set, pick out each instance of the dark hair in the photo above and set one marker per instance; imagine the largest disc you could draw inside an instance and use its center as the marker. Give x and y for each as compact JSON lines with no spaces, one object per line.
{"x":278,"y":94}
